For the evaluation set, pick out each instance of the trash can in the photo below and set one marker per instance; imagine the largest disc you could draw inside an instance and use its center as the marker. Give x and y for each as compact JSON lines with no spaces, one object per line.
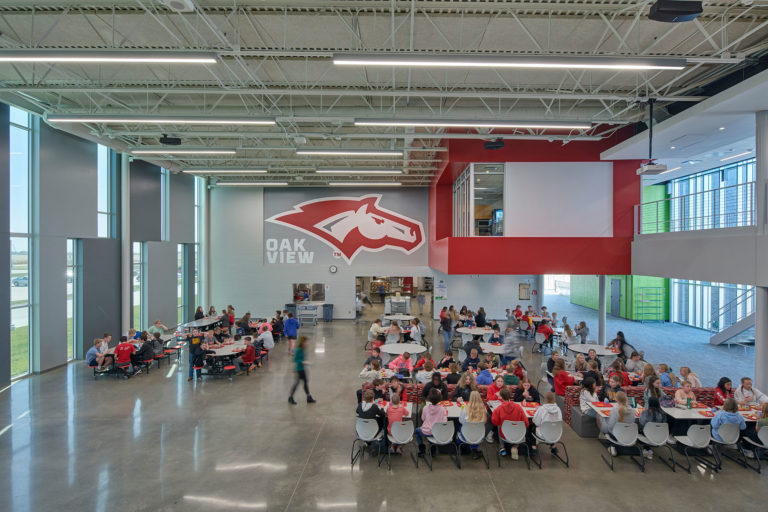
{"x":327,"y":312}
{"x":291,"y":308}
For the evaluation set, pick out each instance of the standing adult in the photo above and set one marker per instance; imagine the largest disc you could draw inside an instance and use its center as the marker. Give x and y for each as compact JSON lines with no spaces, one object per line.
{"x":421,"y":299}
{"x":301,"y":371}
{"x":382,"y":293}
{"x":291,"y":330}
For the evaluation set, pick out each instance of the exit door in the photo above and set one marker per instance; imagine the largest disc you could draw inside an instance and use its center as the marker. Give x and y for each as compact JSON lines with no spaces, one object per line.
{"x":615,"y":297}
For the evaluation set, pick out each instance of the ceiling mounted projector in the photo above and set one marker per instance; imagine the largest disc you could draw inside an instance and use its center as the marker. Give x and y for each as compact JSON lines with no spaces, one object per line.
{"x":650,"y":169}
{"x":494,"y":144}
{"x":674,"y":11}
{"x":179,"y":5}
{"x":170,"y":141}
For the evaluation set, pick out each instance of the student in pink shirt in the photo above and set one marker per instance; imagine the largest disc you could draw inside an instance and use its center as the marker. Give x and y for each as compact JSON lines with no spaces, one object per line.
{"x":431,"y":414}
{"x":395,"y":413}
{"x":402,"y":362}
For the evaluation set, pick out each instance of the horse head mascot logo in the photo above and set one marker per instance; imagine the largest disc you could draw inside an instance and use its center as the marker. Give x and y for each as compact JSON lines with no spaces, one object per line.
{"x":353,"y":224}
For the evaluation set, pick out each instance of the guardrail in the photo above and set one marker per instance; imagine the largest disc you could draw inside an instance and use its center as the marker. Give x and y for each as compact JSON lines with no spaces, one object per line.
{"x":726,"y":207}
{"x":734,"y":310}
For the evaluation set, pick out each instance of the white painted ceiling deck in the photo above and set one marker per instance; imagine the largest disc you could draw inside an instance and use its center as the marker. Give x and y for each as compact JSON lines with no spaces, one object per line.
{"x":275,"y":60}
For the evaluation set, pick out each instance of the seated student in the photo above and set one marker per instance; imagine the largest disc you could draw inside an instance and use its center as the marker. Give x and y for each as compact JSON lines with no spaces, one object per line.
{"x":396,"y":388}
{"x":617,"y":368}
{"x":580,"y":363}
{"x":469,"y":319}
{"x":402,"y":364}
{"x":592,"y":371}
{"x":157,"y":345}
{"x":375,"y":356}
{"x":199,"y":315}
{"x":369,"y":373}
{"x":417,"y":331}
{"x":212,"y":343}
{"x":446,"y":361}
{"x":421,"y":362}
{"x":133,"y":334}
{"x":545,"y":329}
{"x":266,"y":338}
{"x":687,"y":374}
{"x":157,"y":327}
{"x":94,"y":356}
{"x":635,"y":364}
{"x":562,"y":379}
{"x":648,"y":372}
{"x":517,"y":368}
{"x":723,"y":391}
{"x":484,"y":377}
{"x":729,"y":414}
{"x":377,"y":331}
{"x":465,"y":387}
{"x":277,"y":324}
{"x":472,"y":345}
{"x":587,"y":395}
{"x":510,"y":411}
{"x":436,"y":382}
{"x":517,"y":312}
{"x":553,"y":321}
{"x":431,"y":414}
{"x":393,"y":333}
{"x":653,"y":389}
{"x":668,"y":379}
{"x":652,"y":413}
{"x":491,"y":361}
{"x":224,"y":319}
{"x":492,"y":393}
{"x":526,"y":392}
{"x":247,"y":358}
{"x":123,"y":352}
{"x":142,"y":354}
{"x":683,"y":394}
{"x":368,"y":410}
{"x":471,"y":361}
{"x":474,"y":412}
{"x":592,"y":356}
{"x":511,"y":378}
{"x":219,"y":335}
{"x":380,"y":391}
{"x":200,"y":353}
{"x":554,"y":356}
{"x":395,"y":414}
{"x":425,"y":374}
{"x":746,"y":394}
{"x":454,"y":375}
{"x":549,"y":411}
{"x":621,"y":414}
{"x":611,"y":388}
{"x":496,"y":337}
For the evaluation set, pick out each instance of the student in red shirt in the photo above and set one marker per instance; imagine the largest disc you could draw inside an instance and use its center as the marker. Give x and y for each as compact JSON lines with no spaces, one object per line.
{"x":723,"y":391}
{"x":562,"y":378}
{"x":123,"y":352}
{"x":546,"y":330}
{"x":426,"y":357}
{"x":492,"y":393}
{"x":511,"y":411}
{"x":518,"y":312}
{"x":617,"y":368}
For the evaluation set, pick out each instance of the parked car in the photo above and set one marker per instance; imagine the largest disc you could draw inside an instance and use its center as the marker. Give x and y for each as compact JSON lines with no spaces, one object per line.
{"x":20,"y":281}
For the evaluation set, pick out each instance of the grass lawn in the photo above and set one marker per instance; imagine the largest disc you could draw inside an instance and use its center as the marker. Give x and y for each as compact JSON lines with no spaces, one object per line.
{"x":20,"y":350}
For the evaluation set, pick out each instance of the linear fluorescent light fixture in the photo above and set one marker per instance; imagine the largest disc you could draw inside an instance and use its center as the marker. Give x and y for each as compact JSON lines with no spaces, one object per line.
{"x":182,"y":151}
{"x":672,"y":169}
{"x":380,"y":172}
{"x":428,"y":123}
{"x":350,"y":152}
{"x":508,"y":61}
{"x":251,"y":184}
{"x":735,"y":156}
{"x":364,"y":183}
{"x":144,"y":119}
{"x":108,"y":56}
{"x":223,"y":170}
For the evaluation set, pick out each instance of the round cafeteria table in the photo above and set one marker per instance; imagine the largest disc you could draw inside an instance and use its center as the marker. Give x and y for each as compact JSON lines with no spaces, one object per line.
{"x":400,"y":348}
{"x":399,"y":318}
{"x":584,"y":348}
{"x":228,"y":350}
{"x":490,"y":348}
{"x":474,"y":331}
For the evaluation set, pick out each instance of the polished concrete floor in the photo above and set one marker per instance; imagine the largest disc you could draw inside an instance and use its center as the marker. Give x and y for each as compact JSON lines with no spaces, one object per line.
{"x":157,"y":442}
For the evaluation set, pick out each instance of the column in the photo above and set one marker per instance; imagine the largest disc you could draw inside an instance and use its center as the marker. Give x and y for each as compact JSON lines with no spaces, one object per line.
{"x":125,"y":243}
{"x":540,"y":292}
{"x":761,"y":292}
{"x":602,"y":309}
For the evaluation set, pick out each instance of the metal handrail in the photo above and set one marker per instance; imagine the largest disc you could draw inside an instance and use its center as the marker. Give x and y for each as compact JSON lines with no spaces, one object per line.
{"x":736,"y":207}
{"x":716,"y":326}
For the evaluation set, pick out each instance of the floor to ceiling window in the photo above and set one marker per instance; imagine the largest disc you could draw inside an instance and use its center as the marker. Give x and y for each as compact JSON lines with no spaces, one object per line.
{"x":19,"y":205}
{"x":180,"y":285}
{"x":105,"y":191}
{"x":165,"y":227}
{"x":73,"y":285}
{"x":711,"y":306}
{"x":139,"y":285}
{"x":199,"y":188}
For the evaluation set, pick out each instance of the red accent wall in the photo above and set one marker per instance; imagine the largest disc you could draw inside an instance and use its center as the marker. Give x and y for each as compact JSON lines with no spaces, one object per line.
{"x":516,"y":255}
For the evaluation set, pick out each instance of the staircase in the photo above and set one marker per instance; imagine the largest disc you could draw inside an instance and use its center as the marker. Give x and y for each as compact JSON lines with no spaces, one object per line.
{"x":727,"y":328}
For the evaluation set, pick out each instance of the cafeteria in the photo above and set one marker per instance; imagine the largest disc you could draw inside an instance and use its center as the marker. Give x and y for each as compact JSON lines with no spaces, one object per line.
{"x":291,"y":255}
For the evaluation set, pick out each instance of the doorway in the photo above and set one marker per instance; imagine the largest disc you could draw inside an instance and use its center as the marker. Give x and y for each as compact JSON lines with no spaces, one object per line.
{"x":616,"y":297}
{"x":376,"y":296}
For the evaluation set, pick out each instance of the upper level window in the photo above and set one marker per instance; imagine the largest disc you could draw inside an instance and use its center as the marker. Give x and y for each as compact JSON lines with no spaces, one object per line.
{"x":165,"y":227}
{"x":104,"y":194}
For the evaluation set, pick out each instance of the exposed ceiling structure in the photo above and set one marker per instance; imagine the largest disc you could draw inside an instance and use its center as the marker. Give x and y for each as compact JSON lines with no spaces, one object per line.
{"x":274,"y":61}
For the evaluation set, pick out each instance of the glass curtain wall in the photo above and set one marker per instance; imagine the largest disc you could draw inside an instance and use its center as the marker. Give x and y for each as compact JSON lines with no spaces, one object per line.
{"x":180,"y":284}
{"x":165,"y":227}
{"x":20,"y":160}
{"x":199,"y":188}
{"x":710,"y":305}
{"x":139,"y":285}
{"x":478,"y":201}
{"x":73,"y":285}
{"x":105,"y":183}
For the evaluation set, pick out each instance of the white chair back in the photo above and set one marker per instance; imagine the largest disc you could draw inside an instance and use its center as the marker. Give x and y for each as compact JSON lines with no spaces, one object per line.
{"x":370,"y":336}
{"x":402,"y":432}
{"x":513,"y":431}
{"x":762,"y":435}
{"x":699,"y":435}
{"x":367,"y":429}
{"x":540,"y":338}
{"x":465,"y":338}
{"x":656,"y":433}
{"x":544,"y":376}
{"x":625,"y":434}
{"x":443,"y":432}
{"x":462,"y":355}
{"x":384,"y":358}
{"x":729,"y":433}
{"x":550,"y":431}
{"x":473,"y":432}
